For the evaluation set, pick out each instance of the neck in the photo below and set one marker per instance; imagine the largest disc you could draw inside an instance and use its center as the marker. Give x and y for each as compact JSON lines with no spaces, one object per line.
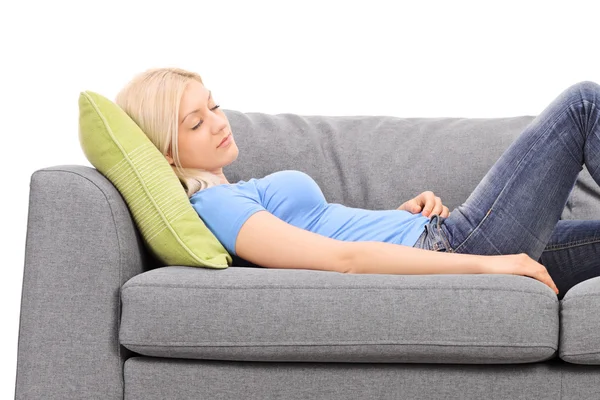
{"x":222,"y":179}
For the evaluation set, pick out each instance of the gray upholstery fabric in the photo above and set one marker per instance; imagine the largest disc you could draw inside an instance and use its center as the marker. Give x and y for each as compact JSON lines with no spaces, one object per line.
{"x":157,"y":379}
{"x":84,"y":254}
{"x":252,"y":314}
{"x":580,"y":322}
{"x":379,"y":162}
{"x":584,"y":202}
{"x":81,"y":248}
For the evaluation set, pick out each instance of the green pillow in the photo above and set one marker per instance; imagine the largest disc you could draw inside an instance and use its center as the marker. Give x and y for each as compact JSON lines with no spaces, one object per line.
{"x":116,"y":146}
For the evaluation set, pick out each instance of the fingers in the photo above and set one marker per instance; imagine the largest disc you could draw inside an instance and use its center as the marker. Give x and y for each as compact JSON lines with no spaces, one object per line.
{"x":522,"y":264}
{"x":410,"y":206}
{"x":549,"y":281}
{"x":430,"y":203}
{"x":543,"y":276}
{"x":546,"y":278}
{"x":541,"y":273}
{"x":433,"y":205}
{"x":415,"y":208}
{"x":445,"y":212}
{"x":438,"y":207}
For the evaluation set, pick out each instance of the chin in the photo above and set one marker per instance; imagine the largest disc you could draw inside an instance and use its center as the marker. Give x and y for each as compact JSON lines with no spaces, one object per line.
{"x":236,"y":152}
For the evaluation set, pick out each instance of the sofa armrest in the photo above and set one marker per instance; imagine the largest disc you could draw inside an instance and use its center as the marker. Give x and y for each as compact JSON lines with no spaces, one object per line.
{"x":81,"y":247}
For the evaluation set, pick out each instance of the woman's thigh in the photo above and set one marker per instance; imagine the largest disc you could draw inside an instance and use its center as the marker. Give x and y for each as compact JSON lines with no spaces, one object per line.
{"x":517,"y":204}
{"x":572,"y":254}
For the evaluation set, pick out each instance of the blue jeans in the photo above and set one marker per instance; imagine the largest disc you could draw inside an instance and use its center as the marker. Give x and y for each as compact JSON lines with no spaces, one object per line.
{"x":516,"y":207}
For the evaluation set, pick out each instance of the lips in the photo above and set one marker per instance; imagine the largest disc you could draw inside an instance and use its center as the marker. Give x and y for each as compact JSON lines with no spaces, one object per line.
{"x":224,"y":139}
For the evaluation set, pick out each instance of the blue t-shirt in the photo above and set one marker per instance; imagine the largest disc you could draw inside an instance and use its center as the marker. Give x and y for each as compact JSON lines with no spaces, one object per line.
{"x":295,"y":197}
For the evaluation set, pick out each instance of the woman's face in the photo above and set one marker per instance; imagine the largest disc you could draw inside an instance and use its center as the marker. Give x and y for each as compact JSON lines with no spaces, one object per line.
{"x":201,"y":130}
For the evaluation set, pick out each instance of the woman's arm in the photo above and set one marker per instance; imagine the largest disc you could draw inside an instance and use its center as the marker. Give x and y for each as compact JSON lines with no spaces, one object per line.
{"x":390,"y":258}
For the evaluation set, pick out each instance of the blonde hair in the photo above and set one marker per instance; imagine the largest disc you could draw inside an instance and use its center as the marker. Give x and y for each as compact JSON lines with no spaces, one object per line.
{"x":152,"y":100}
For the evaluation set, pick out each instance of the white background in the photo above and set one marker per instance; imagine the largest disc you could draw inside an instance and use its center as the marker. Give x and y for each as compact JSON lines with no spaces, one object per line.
{"x":405,"y":59}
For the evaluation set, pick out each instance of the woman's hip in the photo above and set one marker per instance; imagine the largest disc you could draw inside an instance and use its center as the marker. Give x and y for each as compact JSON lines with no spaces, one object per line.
{"x":433,"y":236}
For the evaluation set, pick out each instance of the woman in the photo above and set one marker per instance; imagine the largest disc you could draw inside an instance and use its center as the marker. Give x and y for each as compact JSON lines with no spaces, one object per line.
{"x":511,"y":219}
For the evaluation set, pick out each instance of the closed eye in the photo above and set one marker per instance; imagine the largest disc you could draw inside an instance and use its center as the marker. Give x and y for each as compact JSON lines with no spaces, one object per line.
{"x":198,"y":124}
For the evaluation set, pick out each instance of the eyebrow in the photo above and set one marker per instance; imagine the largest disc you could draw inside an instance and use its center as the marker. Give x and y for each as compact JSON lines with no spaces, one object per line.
{"x":209,"y":96}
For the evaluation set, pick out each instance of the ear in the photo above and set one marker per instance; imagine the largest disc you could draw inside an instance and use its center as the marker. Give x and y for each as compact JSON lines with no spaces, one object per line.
{"x":169,"y":159}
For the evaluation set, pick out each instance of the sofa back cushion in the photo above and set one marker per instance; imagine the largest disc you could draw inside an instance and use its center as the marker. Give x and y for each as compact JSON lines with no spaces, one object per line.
{"x":379,"y":162}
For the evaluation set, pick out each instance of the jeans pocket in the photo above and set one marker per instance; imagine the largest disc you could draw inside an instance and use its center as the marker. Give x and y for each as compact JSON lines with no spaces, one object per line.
{"x":432,"y":237}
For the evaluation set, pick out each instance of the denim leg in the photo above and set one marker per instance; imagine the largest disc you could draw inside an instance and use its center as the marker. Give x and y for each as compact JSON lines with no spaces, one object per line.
{"x":572,"y":254}
{"x":517,"y":204}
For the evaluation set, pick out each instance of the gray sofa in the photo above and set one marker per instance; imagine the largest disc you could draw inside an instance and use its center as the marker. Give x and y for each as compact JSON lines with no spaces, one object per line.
{"x":101,"y":318}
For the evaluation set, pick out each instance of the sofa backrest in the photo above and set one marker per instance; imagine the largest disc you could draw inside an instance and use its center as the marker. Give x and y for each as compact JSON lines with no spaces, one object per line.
{"x":379,"y":162}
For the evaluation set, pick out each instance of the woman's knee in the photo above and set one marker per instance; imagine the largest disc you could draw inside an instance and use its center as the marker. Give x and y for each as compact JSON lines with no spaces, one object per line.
{"x":585,"y":90}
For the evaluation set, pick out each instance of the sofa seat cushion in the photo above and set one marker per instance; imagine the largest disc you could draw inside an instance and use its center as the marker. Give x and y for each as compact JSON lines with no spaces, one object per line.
{"x":580,"y":323}
{"x":264,"y":314}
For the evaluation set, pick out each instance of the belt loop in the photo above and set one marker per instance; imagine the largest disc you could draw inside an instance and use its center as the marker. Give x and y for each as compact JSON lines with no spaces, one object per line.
{"x":444,"y":239}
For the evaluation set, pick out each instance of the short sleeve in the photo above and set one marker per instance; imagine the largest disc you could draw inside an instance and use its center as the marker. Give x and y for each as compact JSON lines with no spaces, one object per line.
{"x":224,"y":209}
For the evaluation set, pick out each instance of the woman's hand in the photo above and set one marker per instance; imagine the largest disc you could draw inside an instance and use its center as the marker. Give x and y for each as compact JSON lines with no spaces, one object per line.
{"x":428,"y":202}
{"x":518,"y":264}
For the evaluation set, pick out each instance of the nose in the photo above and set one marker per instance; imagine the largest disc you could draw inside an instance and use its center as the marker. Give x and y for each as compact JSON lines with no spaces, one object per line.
{"x":218,"y":123}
